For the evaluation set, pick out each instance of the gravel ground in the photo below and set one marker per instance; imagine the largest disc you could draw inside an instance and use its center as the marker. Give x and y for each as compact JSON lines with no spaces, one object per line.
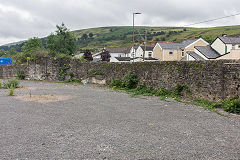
{"x":96,"y":123}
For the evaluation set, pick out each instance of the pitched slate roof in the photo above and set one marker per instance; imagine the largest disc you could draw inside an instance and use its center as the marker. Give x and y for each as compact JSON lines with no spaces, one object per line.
{"x":148,"y":48}
{"x":230,"y":40}
{"x":195,"y":56}
{"x":177,"y":46}
{"x":208,"y":52}
{"x":117,"y":50}
{"x":129,"y":49}
{"x":174,"y":46}
{"x":188,"y":42}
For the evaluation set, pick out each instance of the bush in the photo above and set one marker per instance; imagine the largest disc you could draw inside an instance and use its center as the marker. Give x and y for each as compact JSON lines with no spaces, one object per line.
{"x":21,"y":75}
{"x":97,"y":72}
{"x":180,"y":88}
{"x":12,"y":83}
{"x":232,"y":106}
{"x":72,"y":79}
{"x":163,"y":92}
{"x":11,"y":91}
{"x":117,"y":83}
{"x":131,"y":81}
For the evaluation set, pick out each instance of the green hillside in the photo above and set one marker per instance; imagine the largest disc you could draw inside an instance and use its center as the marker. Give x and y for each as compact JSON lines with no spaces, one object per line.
{"x":97,"y":38}
{"x":122,"y":36}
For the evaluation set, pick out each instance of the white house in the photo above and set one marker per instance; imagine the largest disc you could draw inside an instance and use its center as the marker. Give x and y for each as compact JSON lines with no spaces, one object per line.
{"x":114,"y":52}
{"x":222,"y":48}
{"x":224,"y":45}
{"x":148,"y":53}
{"x":130,"y":51}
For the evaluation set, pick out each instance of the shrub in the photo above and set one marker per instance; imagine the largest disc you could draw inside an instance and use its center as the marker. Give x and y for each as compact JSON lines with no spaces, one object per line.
{"x":21,"y":75}
{"x":117,"y":83}
{"x":163,"y":92}
{"x":72,"y":79}
{"x":143,"y":90}
{"x":11,"y":91}
{"x":131,"y":81}
{"x":180,"y":88}
{"x":12,"y":83}
{"x":232,"y":106}
{"x":96,"y":72}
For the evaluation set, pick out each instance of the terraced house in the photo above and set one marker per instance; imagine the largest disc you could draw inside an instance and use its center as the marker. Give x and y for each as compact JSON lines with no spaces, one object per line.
{"x":176,"y":51}
{"x":222,"y":48}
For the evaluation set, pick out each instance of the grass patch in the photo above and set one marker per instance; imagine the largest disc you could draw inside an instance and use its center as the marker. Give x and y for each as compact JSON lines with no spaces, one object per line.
{"x":229,"y":105}
{"x":11,"y":83}
{"x":11,"y":91}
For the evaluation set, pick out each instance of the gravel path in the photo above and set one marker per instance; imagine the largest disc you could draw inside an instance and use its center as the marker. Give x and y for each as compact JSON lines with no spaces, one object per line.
{"x":95,"y":123}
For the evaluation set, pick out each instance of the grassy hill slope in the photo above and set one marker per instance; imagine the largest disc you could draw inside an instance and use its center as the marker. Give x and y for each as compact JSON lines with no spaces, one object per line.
{"x":122,"y":36}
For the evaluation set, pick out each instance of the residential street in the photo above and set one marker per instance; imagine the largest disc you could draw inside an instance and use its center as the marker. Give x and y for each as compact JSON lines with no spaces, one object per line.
{"x":63,"y":121}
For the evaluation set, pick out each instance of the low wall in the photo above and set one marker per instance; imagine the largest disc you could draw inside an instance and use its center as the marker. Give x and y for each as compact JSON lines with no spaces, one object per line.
{"x":207,"y":79}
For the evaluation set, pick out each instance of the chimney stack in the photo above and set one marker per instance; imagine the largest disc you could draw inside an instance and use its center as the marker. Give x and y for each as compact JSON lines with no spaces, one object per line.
{"x":224,"y":35}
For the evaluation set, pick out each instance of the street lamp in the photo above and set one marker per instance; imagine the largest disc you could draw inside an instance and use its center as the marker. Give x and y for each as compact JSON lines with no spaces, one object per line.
{"x":133,"y":35}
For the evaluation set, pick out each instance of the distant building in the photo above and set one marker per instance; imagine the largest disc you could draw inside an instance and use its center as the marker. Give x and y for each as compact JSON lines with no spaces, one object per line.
{"x":222,"y":48}
{"x":114,"y":52}
{"x":176,"y":51}
{"x":141,"y":50}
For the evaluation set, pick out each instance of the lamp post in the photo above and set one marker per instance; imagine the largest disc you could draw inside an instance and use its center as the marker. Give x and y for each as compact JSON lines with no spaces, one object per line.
{"x":133,"y":52}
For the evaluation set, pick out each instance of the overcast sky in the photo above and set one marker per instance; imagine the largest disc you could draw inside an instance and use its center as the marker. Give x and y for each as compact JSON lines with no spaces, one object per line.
{"x":22,"y":19}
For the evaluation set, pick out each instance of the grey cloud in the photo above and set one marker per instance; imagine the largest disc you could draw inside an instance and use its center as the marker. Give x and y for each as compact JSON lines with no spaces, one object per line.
{"x":77,"y":14}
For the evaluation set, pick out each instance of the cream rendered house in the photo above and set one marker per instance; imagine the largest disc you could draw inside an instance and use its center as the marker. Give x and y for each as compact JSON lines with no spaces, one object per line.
{"x":176,"y":51}
{"x":222,"y":48}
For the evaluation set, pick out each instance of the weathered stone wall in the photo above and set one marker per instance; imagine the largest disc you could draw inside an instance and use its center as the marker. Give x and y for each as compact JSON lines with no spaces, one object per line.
{"x":207,"y":79}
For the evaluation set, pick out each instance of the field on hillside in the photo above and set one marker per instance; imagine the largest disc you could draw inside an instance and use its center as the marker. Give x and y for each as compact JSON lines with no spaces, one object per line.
{"x":97,"y":38}
{"x":122,"y":36}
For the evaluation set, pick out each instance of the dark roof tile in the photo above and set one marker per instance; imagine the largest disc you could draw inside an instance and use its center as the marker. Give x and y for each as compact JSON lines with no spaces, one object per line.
{"x":195,"y":56}
{"x":208,"y":52}
{"x":230,"y":40}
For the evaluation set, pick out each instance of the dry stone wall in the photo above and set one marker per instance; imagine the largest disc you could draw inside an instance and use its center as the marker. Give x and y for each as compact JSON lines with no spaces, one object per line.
{"x":207,"y":79}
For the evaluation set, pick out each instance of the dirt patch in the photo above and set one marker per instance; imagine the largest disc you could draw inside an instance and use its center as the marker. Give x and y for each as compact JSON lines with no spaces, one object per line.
{"x":42,"y":98}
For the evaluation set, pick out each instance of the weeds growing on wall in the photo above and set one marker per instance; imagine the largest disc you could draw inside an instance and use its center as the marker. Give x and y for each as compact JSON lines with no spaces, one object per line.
{"x":72,"y":79}
{"x":63,"y":72}
{"x":21,"y":75}
{"x":95,"y":72}
{"x":131,"y":85}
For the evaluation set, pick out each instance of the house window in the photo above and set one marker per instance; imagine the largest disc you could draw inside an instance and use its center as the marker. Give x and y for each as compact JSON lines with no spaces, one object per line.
{"x":233,"y":46}
{"x":150,"y":55}
{"x":182,"y":53}
{"x":170,"y":52}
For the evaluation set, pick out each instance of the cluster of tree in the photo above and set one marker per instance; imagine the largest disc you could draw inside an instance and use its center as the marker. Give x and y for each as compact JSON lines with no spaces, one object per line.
{"x":85,"y":37}
{"x":61,"y":43}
